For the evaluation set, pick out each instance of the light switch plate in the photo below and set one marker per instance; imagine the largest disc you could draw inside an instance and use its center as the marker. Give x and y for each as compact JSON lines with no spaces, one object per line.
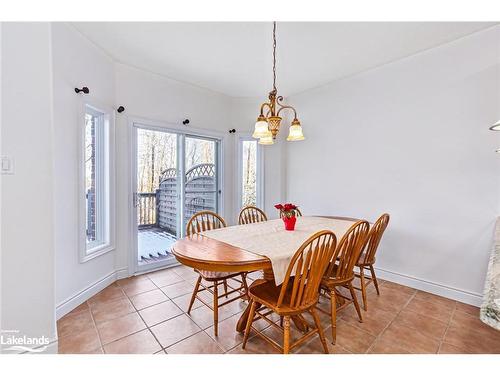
{"x":7,"y":165}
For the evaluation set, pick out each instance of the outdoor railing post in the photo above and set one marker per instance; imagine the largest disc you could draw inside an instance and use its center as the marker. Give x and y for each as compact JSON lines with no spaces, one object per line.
{"x":157,"y":207}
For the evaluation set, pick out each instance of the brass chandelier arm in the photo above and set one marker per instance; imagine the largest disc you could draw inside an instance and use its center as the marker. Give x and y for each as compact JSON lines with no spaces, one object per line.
{"x":282,"y":107}
{"x":268,"y":105}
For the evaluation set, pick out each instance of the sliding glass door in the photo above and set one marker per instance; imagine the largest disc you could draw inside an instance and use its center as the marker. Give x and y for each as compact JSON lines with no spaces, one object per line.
{"x":176,"y":176}
{"x":201,"y":184}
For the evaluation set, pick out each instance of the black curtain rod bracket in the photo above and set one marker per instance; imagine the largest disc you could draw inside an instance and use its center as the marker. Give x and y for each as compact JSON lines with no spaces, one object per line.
{"x":232,"y":131}
{"x":84,"y":89}
{"x":185,"y":122}
{"x":120,"y":109}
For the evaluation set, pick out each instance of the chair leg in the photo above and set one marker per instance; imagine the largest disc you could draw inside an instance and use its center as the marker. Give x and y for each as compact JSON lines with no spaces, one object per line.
{"x":251,"y":315}
{"x":356,"y":304}
{"x":216,"y":307}
{"x":225,"y":287}
{"x":286,"y":335}
{"x":333,"y":302}
{"x":244,"y":282}
{"x":363,"y":286}
{"x":375,"y":282}
{"x":320,"y":330}
{"x":195,"y":292}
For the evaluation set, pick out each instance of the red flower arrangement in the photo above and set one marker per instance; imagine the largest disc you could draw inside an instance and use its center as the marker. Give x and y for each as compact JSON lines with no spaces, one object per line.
{"x":288,"y":213}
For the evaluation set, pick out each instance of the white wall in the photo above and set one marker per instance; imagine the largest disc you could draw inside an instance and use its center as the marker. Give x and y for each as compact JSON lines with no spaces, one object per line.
{"x":76,"y":63}
{"x":27,"y":222}
{"x":410,"y":138}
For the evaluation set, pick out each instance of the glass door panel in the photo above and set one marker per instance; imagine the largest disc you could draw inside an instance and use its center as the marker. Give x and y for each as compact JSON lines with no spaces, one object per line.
{"x":157,"y":197}
{"x":201,"y":177}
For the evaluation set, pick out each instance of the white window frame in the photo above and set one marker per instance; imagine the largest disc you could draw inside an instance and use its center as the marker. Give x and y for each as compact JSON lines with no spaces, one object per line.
{"x":106,"y":168}
{"x":260,"y":172}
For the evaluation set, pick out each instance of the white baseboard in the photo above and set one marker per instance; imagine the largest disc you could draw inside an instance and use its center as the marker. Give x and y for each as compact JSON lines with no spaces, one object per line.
{"x":464,"y":296}
{"x":72,"y":302}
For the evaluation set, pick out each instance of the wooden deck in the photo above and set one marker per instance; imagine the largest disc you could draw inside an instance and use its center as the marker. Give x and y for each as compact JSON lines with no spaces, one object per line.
{"x":154,"y":244}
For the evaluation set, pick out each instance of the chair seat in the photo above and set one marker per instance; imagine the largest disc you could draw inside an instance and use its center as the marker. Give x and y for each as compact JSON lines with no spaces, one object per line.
{"x":215,"y":275}
{"x":361,"y":260}
{"x":267,"y":293}
{"x":331,"y":282}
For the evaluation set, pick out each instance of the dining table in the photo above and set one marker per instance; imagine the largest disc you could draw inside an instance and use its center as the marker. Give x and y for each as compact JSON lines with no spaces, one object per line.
{"x":243,"y":248}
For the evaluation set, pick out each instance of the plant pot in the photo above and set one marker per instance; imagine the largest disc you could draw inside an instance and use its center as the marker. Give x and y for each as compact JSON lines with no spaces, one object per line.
{"x":289,"y":222}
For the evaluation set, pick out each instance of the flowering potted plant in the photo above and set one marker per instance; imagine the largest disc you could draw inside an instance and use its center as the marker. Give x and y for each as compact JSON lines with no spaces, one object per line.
{"x":288,"y":212}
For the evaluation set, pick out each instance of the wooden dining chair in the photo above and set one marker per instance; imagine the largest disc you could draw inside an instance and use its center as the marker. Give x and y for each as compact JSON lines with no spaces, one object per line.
{"x":367,"y":257}
{"x":200,"y":222}
{"x":251,"y":214}
{"x":298,"y":293}
{"x":340,"y":272}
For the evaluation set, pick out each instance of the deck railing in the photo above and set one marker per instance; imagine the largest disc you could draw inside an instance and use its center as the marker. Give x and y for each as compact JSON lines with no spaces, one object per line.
{"x":160,"y":208}
{"x":146,"y":209}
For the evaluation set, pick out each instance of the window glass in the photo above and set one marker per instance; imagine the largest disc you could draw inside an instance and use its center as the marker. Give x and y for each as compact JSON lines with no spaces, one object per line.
{"x":249,"y":173}
{"x":94,"y":153}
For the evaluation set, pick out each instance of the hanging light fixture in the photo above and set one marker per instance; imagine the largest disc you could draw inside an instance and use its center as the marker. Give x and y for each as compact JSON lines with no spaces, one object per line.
{"x":495,"y":126}
{"x":268,"y":124}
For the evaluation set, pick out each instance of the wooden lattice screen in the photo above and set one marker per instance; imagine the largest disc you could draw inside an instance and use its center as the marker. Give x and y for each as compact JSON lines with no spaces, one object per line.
{"x":200,"y":194}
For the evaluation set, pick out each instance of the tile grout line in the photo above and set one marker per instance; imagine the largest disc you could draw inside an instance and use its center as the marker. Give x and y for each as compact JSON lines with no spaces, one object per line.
{"x":447,"y":327}
{"x":137,"y":312}
{"x":140,"y":316}
{"x":204,"y":329}
{"x":169,"y":300}
{"x":95,"y":326}
{"x":455,"y":303}
{"x":183,"y":313}
{"x":388,"y":324}
{"x":127,"y":297}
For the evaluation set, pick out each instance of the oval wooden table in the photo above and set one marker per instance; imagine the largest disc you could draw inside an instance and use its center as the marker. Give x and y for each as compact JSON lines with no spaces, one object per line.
{"x":203,"y":253}
{"x":207,"y":254}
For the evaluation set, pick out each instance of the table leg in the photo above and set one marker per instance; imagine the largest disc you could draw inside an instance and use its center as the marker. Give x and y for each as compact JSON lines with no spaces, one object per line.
{"x":242,"y":321}
{"x":300,"y":323}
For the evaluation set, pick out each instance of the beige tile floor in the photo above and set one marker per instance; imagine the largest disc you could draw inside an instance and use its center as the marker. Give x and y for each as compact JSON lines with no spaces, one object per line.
{"x":147,"y":314}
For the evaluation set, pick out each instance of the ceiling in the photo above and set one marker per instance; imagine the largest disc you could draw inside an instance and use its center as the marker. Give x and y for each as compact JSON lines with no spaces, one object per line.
{"x":235,"y":58}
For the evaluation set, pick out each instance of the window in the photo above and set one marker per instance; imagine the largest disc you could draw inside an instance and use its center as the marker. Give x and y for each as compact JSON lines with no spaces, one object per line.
{"x":250,"y":172}
{"x":97,"y":183}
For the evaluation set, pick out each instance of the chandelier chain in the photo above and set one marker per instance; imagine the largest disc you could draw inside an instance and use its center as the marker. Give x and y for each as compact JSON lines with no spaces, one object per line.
{"x":274,"y":56}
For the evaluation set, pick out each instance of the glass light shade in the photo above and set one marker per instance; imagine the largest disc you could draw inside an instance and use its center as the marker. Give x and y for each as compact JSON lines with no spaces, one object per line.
{"x":295,"y":132}
{"x":261,"y":128}
{"x":268,"y":140}
{"x":495,"y":126}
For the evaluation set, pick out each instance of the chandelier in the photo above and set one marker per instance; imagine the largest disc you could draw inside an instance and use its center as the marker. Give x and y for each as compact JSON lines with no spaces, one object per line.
{"x":268,"y":124}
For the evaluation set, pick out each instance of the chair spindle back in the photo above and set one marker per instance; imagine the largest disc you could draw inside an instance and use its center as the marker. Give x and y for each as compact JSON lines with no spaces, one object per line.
{"x":204,"y":220}
{"x":309,"y":263}
{"x":251,"y":214}
{"x":374,"y":237}
{"x":348,"y":250}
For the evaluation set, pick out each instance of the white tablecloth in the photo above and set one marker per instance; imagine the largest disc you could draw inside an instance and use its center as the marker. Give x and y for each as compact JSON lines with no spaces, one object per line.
{"x":270,"y":238}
